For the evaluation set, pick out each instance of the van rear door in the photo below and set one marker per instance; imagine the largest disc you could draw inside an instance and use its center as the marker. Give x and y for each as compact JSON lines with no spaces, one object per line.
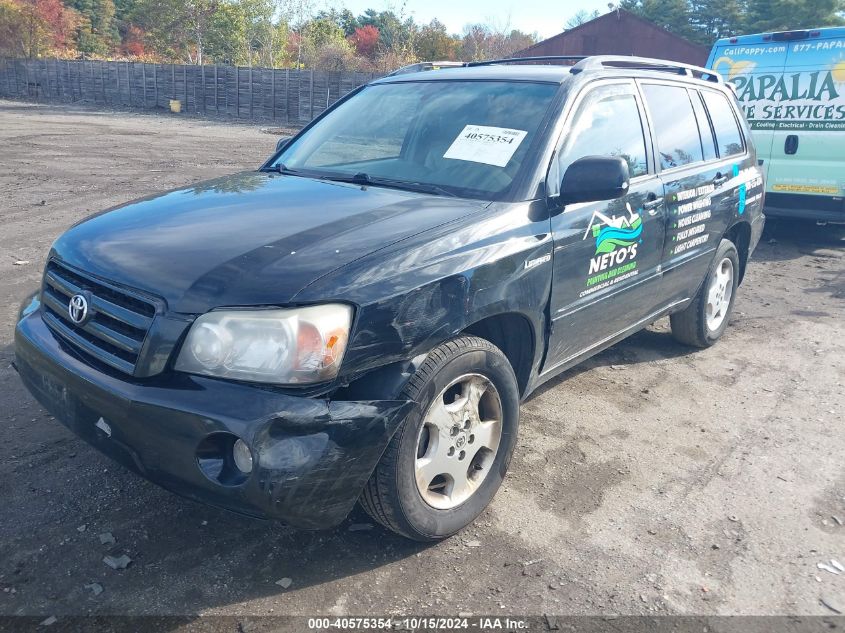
{"x":805,"y":174}
{"x":753,"y":66}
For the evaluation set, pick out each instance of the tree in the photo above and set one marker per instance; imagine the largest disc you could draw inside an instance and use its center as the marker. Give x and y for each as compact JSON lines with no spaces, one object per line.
{"x":12,"y":21}
{"x":704,"y":21}
{"x":97,"y":31}
{"x":178,"y":29}
{"x":60,"y":22}
{"x":434,"y":43}
{"x":336,"y":56}
{"x":344,"y":18}
{"x":297,"y":13}
{"x":257,"y":39}
{"x":365,"y":40}
{"x":481,"y":41}
{"x":712,"y":19}
{"x":474,"y":44}
{"x":783,"y":15}
{"x":347,"y":21}
{"x":31,"y":28}
{"x":198,"y":14}
{"x":132,"y":41}
{"x":581,"y":17}
{"x":396,"y":32}
{"x":672,"y":15}
{"x":317,"y":34}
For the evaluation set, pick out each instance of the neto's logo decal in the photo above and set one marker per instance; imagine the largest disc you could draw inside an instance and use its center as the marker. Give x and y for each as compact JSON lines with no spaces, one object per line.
{"x":616,"y":238}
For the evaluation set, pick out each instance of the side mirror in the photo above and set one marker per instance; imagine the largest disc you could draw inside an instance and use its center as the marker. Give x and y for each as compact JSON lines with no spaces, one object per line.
{"x":595,"y":178}
{"x":282,"y":143}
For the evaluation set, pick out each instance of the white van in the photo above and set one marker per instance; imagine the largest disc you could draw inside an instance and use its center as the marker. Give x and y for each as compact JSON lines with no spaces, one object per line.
{"x":791,"y":86}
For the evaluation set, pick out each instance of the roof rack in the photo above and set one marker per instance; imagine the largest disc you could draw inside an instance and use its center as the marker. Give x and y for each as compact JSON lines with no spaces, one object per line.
{"x":422,"y":66}
{"x":521,"y":60}
{"x":581,"y":63}
{"x":597,"y":62}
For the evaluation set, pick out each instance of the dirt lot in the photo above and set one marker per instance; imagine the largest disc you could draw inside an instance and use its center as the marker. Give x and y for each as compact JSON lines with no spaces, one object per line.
{"x":653,"y":479}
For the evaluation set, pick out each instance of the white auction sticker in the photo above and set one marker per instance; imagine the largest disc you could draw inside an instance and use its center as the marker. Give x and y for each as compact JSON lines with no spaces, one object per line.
{"x":485,"y":144}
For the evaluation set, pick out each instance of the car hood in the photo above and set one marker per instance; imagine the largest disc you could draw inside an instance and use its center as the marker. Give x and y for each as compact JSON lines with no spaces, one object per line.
{"x":254,"y":238}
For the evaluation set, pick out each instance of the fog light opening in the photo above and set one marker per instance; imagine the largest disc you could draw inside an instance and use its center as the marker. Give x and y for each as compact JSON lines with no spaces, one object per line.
{"x":242,"y":456}
{"x":225,"y":459}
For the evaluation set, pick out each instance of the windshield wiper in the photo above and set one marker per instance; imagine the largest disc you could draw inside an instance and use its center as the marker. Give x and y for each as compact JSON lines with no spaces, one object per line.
{"x":280,"y":168}
{"x":362,"y":178}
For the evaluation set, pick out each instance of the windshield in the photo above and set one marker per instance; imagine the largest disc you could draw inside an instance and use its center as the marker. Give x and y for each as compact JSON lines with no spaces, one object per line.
{"x":467,"y":138}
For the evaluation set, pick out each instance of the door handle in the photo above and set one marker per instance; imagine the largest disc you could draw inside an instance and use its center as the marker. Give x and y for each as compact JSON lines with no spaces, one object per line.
{"x":790,"y":146}
{"x":720,"y":179}
{"x":652,"y":205}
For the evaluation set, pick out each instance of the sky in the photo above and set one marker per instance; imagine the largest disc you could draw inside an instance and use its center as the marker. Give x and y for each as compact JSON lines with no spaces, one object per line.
{"x":546,"y":17}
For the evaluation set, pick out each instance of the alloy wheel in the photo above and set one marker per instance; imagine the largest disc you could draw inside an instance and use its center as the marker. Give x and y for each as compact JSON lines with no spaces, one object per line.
{"x":458,"y":441}
{"x":719,"y":294}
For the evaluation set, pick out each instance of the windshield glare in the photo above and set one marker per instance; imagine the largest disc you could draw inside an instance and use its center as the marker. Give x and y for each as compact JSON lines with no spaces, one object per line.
{"x":469,"y":138}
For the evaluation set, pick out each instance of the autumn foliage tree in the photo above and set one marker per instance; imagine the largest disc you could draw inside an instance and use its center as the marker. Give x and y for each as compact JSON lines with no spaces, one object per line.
{"x":365,"y":39}
{"x":31,"y":28}
{"x":313,"y":34}
{"x":132,"y":41}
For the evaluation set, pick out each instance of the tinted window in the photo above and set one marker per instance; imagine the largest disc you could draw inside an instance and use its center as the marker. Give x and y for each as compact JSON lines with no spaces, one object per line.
{"x":675,"y":126}
{"x":607,"y":123}
{"x":708,"y":143}
{"x":728,"y":135}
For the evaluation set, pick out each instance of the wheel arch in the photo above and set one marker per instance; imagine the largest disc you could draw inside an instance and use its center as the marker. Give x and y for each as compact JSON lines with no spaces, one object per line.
{"x":514,"y":334}
{"x":740,"y":234}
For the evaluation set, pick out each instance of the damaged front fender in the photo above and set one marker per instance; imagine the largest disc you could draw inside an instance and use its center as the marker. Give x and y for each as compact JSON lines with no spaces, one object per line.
{"x":311,"y":457}
{"x":311,"y":469}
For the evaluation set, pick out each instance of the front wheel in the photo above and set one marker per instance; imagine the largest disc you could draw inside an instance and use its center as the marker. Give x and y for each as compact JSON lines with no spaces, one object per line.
{"x":449,"y":457}
{"x":704,"y":320}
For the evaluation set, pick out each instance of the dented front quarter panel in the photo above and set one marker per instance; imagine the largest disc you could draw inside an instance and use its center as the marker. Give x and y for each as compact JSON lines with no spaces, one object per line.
{"x":419,"y":292}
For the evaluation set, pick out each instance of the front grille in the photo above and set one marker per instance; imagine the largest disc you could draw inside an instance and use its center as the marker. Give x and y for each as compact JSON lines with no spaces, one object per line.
{"x":117,"y":324}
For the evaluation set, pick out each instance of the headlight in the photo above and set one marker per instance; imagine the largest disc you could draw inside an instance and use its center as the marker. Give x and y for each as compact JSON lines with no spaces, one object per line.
{"x":294,"y":346}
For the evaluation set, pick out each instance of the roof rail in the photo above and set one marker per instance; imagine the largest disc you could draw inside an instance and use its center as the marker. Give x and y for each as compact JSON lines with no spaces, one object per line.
{"x":521,"y":60}
{"x":580,"y":63}
{"x":423,"y":66}
{"x":597,"y":62}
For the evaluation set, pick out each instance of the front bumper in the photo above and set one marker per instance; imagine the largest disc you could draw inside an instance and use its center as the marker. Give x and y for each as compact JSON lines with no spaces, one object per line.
{"x":311,"y":457}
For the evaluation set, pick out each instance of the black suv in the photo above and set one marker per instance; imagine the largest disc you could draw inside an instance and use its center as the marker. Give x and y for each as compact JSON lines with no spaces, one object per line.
{"x":360,"y":318}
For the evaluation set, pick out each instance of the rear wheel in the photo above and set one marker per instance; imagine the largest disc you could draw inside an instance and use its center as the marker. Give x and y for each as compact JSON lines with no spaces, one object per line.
{"x":449,"y":457}
{"x":704,"y":321}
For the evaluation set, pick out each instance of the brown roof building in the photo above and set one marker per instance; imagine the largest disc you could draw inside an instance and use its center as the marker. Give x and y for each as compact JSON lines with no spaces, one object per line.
{"x":620,"y":33}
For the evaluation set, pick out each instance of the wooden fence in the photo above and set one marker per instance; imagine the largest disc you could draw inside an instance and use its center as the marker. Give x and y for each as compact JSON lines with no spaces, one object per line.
{"x":262,"y":94}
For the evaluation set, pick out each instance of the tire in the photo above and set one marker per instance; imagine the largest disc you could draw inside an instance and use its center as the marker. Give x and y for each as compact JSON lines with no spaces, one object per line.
{"x":465,"y":370}
{"x":704,"y":320}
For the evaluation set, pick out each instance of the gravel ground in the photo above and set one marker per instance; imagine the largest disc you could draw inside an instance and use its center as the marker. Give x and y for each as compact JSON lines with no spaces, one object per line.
{"x":653,"y":479}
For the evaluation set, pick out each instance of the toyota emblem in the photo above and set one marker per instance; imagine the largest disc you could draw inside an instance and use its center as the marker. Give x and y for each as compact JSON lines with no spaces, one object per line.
{"x":77,"y":309}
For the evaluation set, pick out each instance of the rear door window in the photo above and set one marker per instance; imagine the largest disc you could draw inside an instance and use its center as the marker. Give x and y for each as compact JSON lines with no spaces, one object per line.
{"x":728,"y":135}
{"x":676,"y":129}
{"x":708,"y":141}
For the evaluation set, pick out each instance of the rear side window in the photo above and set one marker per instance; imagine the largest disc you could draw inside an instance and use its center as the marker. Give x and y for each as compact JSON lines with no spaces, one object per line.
{"x":728,"y":136}
{"x":607,"y":123}
{"x":676,"y":129}
{"x":708,"y":143}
